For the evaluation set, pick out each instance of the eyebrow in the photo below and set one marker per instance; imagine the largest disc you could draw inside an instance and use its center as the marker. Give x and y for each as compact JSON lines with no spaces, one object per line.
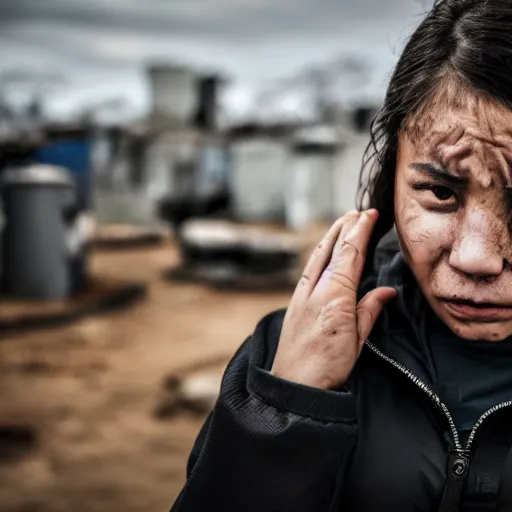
{"x":439,"y":174}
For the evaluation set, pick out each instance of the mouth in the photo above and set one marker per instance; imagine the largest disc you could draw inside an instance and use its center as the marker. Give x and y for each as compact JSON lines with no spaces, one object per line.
{"x":468,"y":310}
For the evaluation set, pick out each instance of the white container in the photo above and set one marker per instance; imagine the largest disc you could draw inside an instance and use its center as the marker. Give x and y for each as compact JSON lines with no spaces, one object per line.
{"x":174,"y":92}
{"x":167,"y":159}
{"x":258,"y":179}
{"x":311,"y":194}
{"x":347,"y":174}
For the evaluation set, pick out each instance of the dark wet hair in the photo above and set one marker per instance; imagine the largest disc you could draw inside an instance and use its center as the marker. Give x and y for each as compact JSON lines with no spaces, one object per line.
{"x":466,"y":42}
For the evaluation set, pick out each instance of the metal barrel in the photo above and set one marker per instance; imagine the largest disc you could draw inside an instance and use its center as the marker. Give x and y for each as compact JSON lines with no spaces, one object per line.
{"x":35,"y":235}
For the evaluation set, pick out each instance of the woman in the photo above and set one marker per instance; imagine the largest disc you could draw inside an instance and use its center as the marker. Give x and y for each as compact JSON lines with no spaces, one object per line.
{"x":387,"y":383}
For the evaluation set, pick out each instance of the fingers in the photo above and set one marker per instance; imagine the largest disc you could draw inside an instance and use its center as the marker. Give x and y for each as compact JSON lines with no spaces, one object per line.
{"x":347,"y":262}
{"x":345,"y":230}
{"x":321,"y":256}
{"x":369,"y":309}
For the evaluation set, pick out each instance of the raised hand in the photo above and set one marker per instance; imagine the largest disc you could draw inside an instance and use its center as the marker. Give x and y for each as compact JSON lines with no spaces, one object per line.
{"x":325,"y":327}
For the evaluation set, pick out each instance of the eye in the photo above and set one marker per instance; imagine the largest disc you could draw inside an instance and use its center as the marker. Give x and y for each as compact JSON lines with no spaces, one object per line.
{"x":437,"y":196}
{"x":442,"y":193}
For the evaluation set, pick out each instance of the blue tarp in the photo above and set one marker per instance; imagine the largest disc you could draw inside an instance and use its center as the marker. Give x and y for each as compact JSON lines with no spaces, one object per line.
{"x":75,"y":155}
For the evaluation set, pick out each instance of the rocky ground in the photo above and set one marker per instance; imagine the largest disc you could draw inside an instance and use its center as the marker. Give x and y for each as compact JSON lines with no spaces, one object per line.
{"x":82,"y":427}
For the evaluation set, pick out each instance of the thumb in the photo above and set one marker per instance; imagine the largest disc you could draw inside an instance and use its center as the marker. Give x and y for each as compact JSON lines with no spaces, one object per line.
{"x":369,"y":309}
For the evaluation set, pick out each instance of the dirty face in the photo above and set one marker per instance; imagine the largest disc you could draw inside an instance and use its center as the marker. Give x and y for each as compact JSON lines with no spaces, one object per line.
{"x":453,"y":211}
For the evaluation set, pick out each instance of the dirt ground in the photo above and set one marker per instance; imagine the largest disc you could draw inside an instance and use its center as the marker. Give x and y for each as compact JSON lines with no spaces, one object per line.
{"x":90,"y":391}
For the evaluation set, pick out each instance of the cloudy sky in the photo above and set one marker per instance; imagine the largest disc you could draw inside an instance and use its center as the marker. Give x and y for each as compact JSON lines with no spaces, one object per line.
{"x":101,"y":45}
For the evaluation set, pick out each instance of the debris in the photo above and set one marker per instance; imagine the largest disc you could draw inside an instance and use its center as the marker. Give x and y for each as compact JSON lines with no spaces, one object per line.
{"x":16,"y":440}
{"x":194,"y":394}
{"x":100,"y":297}
{"x":229,"y":255}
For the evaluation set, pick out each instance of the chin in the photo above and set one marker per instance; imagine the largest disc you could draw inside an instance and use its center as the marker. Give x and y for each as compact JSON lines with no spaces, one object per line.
{"x":478,"y":331}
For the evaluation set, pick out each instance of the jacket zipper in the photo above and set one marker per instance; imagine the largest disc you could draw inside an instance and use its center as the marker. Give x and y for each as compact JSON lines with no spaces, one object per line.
{"x":482,"y":418}
{"x":462,"y":451}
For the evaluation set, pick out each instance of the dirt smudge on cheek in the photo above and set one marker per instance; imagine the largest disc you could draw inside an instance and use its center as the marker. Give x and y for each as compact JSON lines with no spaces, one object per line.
{"x":418,"y":233}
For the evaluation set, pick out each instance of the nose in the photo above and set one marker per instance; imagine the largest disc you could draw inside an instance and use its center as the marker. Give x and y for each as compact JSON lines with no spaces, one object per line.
{"x":477,"y":250}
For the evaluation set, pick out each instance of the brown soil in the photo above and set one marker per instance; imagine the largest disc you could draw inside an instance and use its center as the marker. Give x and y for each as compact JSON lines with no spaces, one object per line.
{"x":77,"y":404}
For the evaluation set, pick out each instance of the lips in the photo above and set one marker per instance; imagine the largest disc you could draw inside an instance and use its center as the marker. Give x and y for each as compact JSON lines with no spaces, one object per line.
{"x":468,"y":310}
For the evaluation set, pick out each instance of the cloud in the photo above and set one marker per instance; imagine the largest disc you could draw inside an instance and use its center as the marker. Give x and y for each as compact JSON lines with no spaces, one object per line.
{"x":254,"y":41}
{"x":225,"y":19}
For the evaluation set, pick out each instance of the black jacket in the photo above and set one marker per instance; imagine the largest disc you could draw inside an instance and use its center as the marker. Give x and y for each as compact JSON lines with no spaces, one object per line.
{"x":386,"y":442}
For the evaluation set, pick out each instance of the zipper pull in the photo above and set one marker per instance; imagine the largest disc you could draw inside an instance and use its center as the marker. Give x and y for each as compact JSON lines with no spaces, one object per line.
{"x":458,"y":466}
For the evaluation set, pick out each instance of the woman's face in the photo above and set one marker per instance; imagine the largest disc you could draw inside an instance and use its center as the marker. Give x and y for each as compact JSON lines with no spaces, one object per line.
{"x":453,"y":203}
